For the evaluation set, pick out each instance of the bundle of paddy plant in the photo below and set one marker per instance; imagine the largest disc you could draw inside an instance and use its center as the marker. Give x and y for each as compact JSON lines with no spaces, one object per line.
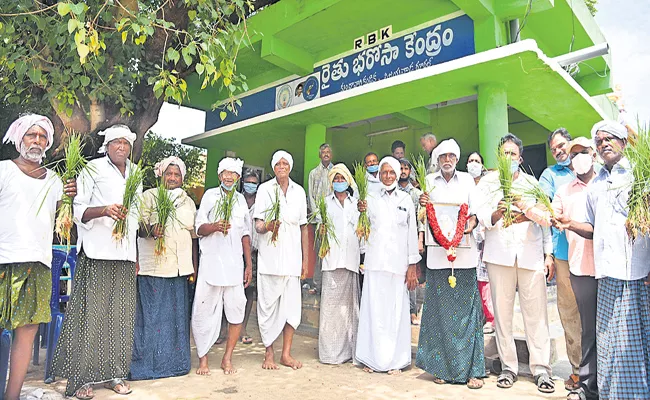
{"x":165,"y":209}
{"x":129,"y":201}
{"x":361,"y":178}
{"x":325,"y":229}
{"x":421,"y":176}
{"x":504,"y":161}
{"x":224,"y":206}
{"x":638,"y":204}
{"x":70,"y":167}
{"x":272,"y":214}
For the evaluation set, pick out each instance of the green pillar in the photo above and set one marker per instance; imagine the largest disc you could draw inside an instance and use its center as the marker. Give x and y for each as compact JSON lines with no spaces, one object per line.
{"x":211,"y":178}
{"x":492,"y":120}
{"x":315,"y":135}
{"x":489,"y":33}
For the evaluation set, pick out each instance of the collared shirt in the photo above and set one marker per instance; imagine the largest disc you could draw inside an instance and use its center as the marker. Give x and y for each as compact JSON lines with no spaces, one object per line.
{"x":374,"y":184}
{"x":432,"y":165}
{"x":101,"y":185}
{"x":319,"y":184}
{"x":457,"y":191}
{"x":255,"y":237}
{"x":412,"y":191}
{"x":345,"y":250}
{"x":222,"y":261}
{"x":284,"y":257}
{"x":524,"y":243}
{"x":28,"y":209}
{"x":393,"y":242}
{"x":179,"y":231}
{"x":614,"y":255}
{"x":552,"y":179}
{"x":571,"y":200}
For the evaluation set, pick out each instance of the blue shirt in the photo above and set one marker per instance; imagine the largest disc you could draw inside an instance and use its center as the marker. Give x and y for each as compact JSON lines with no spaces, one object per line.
{"x":551,"y":180}
{"x":614,"y":255}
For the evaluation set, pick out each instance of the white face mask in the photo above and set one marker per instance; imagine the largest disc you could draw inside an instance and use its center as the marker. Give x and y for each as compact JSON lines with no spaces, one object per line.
{"x":582,"y":163}
{"x":391,"y":187}
{"x":475,"y":169}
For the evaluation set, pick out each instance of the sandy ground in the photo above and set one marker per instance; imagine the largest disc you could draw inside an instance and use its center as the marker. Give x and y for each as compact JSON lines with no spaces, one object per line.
{"x":313,"y":381}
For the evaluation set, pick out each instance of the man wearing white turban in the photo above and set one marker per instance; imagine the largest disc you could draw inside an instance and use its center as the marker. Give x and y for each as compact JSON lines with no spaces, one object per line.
{"x":282,"y":258}
{"x":29,"y":197}
{"x":96,"y":342}
{"x":223,"y":225}
{"x":384,"y":338}
{"x":161,"y":347}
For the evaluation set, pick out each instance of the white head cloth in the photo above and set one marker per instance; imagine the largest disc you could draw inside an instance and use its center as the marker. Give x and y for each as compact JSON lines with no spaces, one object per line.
{"x":230,"y":164}
{"x":280,"y":154}
{"x":160,"y":167}
{"x":19,"y":128}
{"x":394,"y":164}
{"x":446,"y":147}
{"x":611,"y":127}
{"x":116,"y":132}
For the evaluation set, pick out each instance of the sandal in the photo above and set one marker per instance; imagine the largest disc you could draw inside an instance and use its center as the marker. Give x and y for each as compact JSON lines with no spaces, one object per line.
{"x":439,"y":381}
{"x":506,"y":379}
{"x":85,"y":392}
{"x":247,"y":340}
{"x":544,"y":383}
{"x":572,"y":382}
{"x":118,"y":386}
{"x":576,"y":395}
{"x":475,"y":383}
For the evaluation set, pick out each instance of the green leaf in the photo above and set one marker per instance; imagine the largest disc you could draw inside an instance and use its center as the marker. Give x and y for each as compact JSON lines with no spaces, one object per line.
{"x":72,"y":25}
{"x":78,"y":9}
{"x":125,"y":34}
{"x":85,"y":81}
{"x":199,"y":69}
{"x":223,"y":115}
{"x":34,"y":75}
{"x":63,"y":9}
{"x":191,"y":14}
{"x":186,"y":56}
{"x":20,"y":68}
{"x":169,"y":91}
{"x":173,"y":55}
{"x":83,"y":51}
{"x":182,"y":85}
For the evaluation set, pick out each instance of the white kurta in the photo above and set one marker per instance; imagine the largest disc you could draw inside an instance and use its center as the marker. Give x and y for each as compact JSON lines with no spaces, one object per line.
{"x":384,"y":338}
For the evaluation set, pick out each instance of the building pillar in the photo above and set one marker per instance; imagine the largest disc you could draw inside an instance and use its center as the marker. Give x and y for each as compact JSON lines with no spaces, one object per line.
{"x":492,"y":120}
{"x":211,"y":166}
{"x":315,"y":135}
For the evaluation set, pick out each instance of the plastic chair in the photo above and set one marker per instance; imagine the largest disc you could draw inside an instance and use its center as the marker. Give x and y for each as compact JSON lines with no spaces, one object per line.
{"x":5,"y":346}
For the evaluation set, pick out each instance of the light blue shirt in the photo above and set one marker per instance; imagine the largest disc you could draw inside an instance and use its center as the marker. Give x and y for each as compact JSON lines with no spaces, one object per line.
{"x":551,"y":180}
{"x":614,"y":255}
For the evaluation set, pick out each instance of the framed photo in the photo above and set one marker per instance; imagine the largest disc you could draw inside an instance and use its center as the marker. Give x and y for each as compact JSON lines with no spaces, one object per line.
{"x":447,"y":215}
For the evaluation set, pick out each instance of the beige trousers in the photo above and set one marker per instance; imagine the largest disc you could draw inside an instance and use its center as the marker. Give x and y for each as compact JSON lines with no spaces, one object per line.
{"x":504,"y":282}
{"x":569,"y":314}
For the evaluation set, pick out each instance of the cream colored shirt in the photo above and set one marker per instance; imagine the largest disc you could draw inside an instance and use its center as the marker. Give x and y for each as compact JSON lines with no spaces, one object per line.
{"x":319,"y":185}
{"x":177,"y":260}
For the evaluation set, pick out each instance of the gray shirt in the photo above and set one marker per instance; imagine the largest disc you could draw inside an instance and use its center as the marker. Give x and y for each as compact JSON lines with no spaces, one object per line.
{"x":614,"y":255}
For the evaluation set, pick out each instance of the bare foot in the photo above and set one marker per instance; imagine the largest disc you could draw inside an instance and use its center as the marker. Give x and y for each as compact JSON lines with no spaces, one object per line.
{"x":290,"y":362}
{"x":368,"y":370}
{"x":269,"y":362}
{"x":226,"y":366}
{"x":394,"y":372}
{"x":203,"y":368}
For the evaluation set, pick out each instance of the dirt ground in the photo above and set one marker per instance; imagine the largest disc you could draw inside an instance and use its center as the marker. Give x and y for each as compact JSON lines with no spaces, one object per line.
{"x":313,"y":381}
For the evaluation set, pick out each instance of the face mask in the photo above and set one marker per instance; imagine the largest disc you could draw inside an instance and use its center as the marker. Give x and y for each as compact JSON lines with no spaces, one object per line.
{"x":565,"y":163}
{"x":340,"y":186}
{"x":227,"y":188}
{"x":514,"y":166}
{"x":373,"y":168}
{"x":582,"y":163}
{"x":250,"y":187}
{"x":474,"y":169}
{"x":391,"y":187}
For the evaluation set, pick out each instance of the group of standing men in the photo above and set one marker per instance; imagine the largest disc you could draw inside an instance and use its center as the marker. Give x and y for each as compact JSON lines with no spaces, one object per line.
{"x":109,"y":332}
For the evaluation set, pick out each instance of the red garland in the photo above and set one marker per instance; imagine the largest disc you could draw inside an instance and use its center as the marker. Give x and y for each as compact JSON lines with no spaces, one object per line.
{"x":450,"y":246}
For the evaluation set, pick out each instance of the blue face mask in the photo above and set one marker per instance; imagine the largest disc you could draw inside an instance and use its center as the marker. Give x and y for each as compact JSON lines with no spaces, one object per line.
{"x":227,"y":188}
{"x":250,"y":187}
{"x":373,"y":168}
{"x":565,"y":163}
{"x":340,"y":186}
{"x":514,"y":166}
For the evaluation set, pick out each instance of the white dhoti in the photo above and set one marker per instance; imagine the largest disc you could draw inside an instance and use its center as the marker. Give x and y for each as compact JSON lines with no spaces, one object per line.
{"x":210,"y":302}
{"x":279,"y":303}
{"x":384,"y":338}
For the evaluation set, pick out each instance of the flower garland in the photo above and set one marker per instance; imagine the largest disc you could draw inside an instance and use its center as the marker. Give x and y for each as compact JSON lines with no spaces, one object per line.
{"x":449,"y":245}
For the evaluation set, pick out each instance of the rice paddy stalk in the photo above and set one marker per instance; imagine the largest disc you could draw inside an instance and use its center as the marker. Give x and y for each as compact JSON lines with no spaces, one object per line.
{"x":638,"y":153}
{"x":536,"y":192}
{"x":361,"y":178}
{"x":130,"y":200}
{"x":421,"y":176}
{"x":272,"y":214}
{"x":325,"y":233}
{"x":224,"y":206}
{"x":166,"y":211}
{"x":504,"y":161}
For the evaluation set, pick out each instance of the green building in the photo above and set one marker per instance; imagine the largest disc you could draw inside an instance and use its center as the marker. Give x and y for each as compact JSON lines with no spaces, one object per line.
{"x":360,"y":74}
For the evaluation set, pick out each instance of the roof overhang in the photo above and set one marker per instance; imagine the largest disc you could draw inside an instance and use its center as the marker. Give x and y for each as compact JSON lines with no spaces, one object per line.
{"x":536,"y":86}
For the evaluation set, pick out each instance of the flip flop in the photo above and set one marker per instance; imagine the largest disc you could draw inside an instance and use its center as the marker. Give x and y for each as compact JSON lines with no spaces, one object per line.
{"x":114,"y":383}
{"x":247,"y":340}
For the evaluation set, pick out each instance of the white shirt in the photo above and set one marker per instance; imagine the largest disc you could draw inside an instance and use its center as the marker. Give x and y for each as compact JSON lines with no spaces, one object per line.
{"x":393,"y":242}
{"x":283,"y":258}
{"x":457,"y":191}
{"x":344,"y":252}
{"x":28,"y":209}
{"x":524,"y":243}
{"x":255,"y":237}
{"x":374,"y":184}
{"x":222,"y":262}
{"x":101,"y":185}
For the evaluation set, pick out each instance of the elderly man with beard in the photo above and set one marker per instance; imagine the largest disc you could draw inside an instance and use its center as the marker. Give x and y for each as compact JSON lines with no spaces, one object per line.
{"x":280,"y":264}
{"x":384,"y":338}
{"x":225,"y":248}
{"x":96,"y":341}
{"x":451,"y":338}
{"x":30,"y":194}
{"x":622,"y":271}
